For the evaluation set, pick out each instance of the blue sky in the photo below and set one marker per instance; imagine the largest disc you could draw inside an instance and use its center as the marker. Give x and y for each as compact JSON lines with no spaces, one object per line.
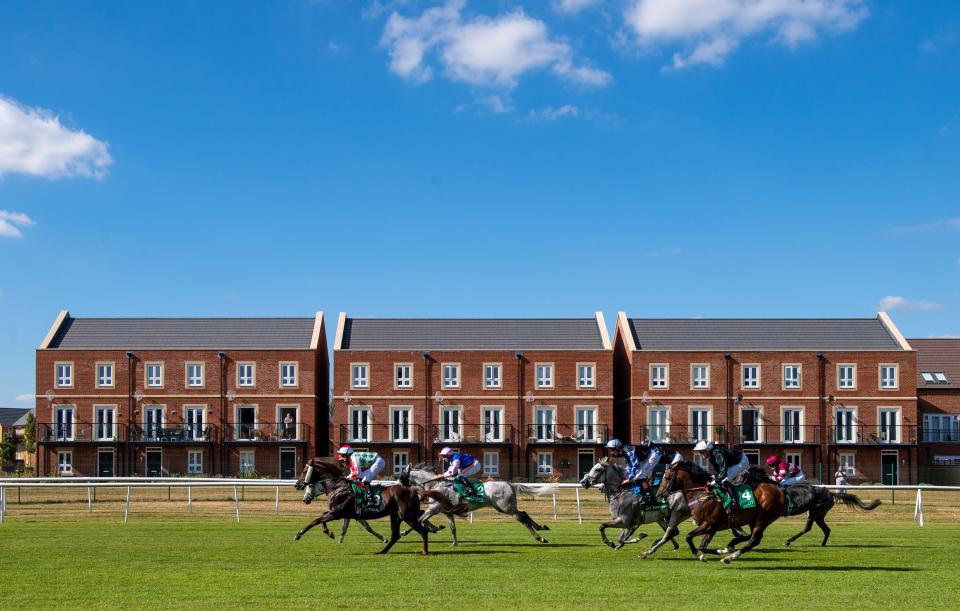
{"x":681,"y":158}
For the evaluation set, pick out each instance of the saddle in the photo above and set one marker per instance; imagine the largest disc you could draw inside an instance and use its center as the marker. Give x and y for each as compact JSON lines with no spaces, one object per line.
{"x":745,"y":496}
{"x":645,"y":506}
{"x":474,"y":493}
{"x":364,"y":505}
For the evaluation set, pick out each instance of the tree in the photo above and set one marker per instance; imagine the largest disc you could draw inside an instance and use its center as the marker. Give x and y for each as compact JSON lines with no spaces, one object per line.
{"x":29,"y":433}
{"x":8,"y":449}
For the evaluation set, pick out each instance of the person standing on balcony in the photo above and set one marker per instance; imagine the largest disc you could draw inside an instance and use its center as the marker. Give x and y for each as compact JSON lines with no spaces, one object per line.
{"x":841,"y":478}
{"x":288,"y":426}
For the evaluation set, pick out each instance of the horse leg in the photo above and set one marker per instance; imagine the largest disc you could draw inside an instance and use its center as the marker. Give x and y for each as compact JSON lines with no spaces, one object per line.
{"x":533,"y":527}
{"x":394,"y":532}
{"x":323,"y":519}
{"x":625,"y":538}
{"x":412,"y":515}
{"x":343,"y":530}
{"x":369,"y":529}
{"x":707,"y":536}
{"x":453,"y":529}
{"x":603,"y":530}
{"x":756,"y":536}
{"x":669,"y":531}
{"x":699,"y":530}
{"x":738,"y":537}
{"x":805,"y":530}
{"x":822,"y":523}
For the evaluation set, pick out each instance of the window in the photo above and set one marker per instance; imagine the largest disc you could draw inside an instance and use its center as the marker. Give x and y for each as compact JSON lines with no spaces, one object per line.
{"x":194,"y":375}
{"x":700,"y":424}
{"x":700,"y":461}
{"x":401,"y":460}
{"x":288,"y":422}
{"x":586,"y":429}
{"x":403,"y":375}
{"x":889,"y":425}
{"x":753,"y":456}
{"x":152,"y":422}
{"x":450,"y":424}
{"x":288,"y":375}
{"x":492,"y":424}
{"x":491,"y":463}
{"x":359,"y":375}
{"x":700,"y":376}
{"x":848,"y":463}
{"x":791,"y":376}
{"x":248,"y":463}
{"x":847,"y":376}
{"x":247,"y":422}
{"x":491,"y":375}
{"x":658,"y":376}
{"x":792,"y":425}
{"x":451,"y":375}
{"x":544,"y":463}
{"x":104,"y":429}
{"x":245,"y":374}
{"x":544,"y":422}
{"x":105,"y":375}
{"x":846,"y":423}
{"x":940,"y":377}
{"x":941,"y":427}
{"x":400,"y":424}
{"x":195,"y":461}
{"x":193,"y":423}
{"x":928,"y":378}
{"x":360,"y":424}
{"x":750,"y":428}
{"x":65,"y":462}
{"x":544,"y":375}
{"x":658,"y":419}
{"x":888,"y":376}
{"x":154,"y":375}
{"x":586,"y":375}
{"x":64,"y":374}
{"x":63,"y":424}
{"x":793,"y":458}
{"x":751,"y":376}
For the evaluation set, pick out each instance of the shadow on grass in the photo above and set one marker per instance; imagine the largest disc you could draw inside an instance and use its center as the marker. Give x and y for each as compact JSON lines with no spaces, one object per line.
{"x":872,"y":545}
{"x":882,"y":569}
{"x":470,"y":552}
{"x":542,"y":545}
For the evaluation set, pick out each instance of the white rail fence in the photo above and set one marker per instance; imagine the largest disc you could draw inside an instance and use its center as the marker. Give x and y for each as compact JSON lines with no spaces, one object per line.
{"x":93,"y":483}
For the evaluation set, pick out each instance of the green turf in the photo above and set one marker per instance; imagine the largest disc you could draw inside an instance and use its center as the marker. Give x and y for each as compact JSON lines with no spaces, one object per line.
{"x":205,"y":563}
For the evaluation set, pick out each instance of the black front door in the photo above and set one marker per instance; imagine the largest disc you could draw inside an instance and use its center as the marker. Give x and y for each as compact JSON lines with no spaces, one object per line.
{"x":105,"y":463}
{"x":154,"y":461}
{"x":585,"y":462}
{"x":288,"y":464}
{"x":888,"y":469}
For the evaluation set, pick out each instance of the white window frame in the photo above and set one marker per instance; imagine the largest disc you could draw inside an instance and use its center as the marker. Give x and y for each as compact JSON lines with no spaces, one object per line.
{"x":394,"y":423}
{"x":286,"y":380}
{"x":544,"y":375}
{"x":246,"y":374}
{"x":791,"y":383}
{"x":359,"y":375}
{"x":941,"y":427}
{"x":149,"y":409}
{"x":852,"y":384}
{"x":705,"y":382}
{"x":403,"y":382}
{"x":586,"y":375}
{"x":896,"y":376}
{"x":251,"y":463}
{"x":544,"y":463}
{"x":786,"y":427}
{"x":848,"y":462}
{"x":758,"y":423}
{"x":492,"y":432}
{"x":663,"y":428}
{"x":700,"y":461}
{"x":63,"y":374}
{"x":72,"y":410}
{"x":659,"y":376}
{"x":65,"y":461}
{"x":106,"y":375}
{"x":352,"y":423}
{"x":189,"y":421}
{"x":794,"y":458}
{"x":97,"y":409}
{"x":496,"y":379}
{"x":450,"y":375}
{"x":897,"y":425}
{"x":852,"y":424}
{"x":707,"y":425}
{"x":491,"y":464}
{"x":147,"y":379}
{"x":194,"y":461}
{"x":587,"y":432}
{"x":743,"y":376}
{"x":446,"y":433}
{"x":189,"y":380}
{"x":399,"y":465}
{"x":545,"y":431}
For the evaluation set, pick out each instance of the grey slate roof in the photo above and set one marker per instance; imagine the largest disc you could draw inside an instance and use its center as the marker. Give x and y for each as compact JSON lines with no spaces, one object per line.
{"x":183,"y":333}
{"x":744,"y":334}
{"x":471,"y":334}
{"x":10,"y":416}
{"x":934,"y":355}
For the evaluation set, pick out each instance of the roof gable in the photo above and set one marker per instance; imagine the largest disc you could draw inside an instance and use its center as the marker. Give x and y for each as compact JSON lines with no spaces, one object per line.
{"x":937,"y":356}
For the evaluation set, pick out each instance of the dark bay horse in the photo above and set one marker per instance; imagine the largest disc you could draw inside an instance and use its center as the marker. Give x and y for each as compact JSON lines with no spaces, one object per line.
{"x":815,"y":501}
{"x":711,"y":517}
{"x":400,"y":503}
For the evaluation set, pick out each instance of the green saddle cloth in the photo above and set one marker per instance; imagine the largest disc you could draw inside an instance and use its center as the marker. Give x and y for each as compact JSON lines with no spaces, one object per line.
{"x":474,"y":493}
{"x":791,"y":506}
{"x":360,"y":498}
{"x":744,"y":496}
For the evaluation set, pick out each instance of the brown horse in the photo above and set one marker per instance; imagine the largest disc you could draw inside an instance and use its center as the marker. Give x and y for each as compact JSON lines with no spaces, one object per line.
{"x":711,"y":517}
{"x":400,"y":503}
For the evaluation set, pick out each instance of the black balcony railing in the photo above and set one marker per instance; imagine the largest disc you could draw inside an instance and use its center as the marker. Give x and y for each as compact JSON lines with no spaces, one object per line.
{"x":179,"y":433}
{"x":575,"y":434}
{"x":862,"y":434}
{"x":776,"y":434}
{"x":265,"y":432}
{"x":473,"y":434}
{"x":941,"y":434}
{"x":80,"y":432}
{"x":689,"y":435}
{"x":394,"y":434}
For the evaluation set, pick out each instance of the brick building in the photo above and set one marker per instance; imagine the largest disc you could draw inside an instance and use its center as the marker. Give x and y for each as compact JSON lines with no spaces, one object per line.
{"x":938,"y":400}
{"x":529,"y":397}
{"x":166,"y":396}
{"x":823,"y":392}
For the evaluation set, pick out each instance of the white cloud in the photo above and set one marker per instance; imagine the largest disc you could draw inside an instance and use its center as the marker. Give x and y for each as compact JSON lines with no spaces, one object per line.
{"x":483,"y":51}
{"x":709,"y":30}
{"x":496,"y":103}
{"x":34,"y":142}
{"x":26,"y":398}
{"x":549,"y":113}
{"x":939,"y":225}
{"x":895,"y":302}
{"x":572,"y":7}
{"x":10,"y":223}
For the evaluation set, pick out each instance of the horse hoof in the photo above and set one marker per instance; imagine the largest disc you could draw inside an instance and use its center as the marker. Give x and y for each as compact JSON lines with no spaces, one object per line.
{"x":643,"y":555}
{"x":723,"y":551}
{"x":786,"y":544}
{"x":702,"y":558}
{"x":542,"y":540}
{"x":423,"y":553}
{"x":296,"y":537}
{"x":726,"y":560}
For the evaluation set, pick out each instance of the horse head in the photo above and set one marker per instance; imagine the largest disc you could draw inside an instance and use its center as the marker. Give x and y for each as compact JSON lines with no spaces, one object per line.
{"x":602,"y":473}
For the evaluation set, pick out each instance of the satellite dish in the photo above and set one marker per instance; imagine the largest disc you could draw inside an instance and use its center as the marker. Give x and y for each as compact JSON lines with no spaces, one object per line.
{"x":347,"y":396}
{"x":645,"y":398}
{"x":529,"y":397}
{"x":50,"y":395}
{"x":231,"y":395}
{"x":138,"y":395}
{"x":438,"y":397}
{"x":739,"y":398}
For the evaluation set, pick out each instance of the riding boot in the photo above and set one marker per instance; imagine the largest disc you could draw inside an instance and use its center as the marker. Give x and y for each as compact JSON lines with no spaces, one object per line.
{"x":467,"y":488}
{"x":728,"y":488}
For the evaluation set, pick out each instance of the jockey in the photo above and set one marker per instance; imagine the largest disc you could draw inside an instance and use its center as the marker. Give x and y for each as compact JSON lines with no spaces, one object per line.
{"x":727,"y":463}
{"x":364,"y":466}
{"x":641,"y":462}
{"x":461,"y":466}
{"x":784,"y":473}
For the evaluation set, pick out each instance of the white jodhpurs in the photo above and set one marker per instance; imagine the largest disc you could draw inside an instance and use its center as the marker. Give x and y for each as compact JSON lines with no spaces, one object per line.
{"x":737,"y":469}
{"x":367,"y":476}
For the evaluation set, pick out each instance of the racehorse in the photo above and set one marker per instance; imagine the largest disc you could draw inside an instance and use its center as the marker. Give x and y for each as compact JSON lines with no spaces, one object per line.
{"x":711,"y":517}
{"x":626,"y":510}
{"x":815,"y":501}
{"x":400,"y":503}
{"x":498,"y":494}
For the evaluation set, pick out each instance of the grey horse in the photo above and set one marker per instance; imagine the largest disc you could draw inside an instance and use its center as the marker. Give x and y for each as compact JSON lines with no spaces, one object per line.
{"x":500,"y":495}
{"x":627,"y":513}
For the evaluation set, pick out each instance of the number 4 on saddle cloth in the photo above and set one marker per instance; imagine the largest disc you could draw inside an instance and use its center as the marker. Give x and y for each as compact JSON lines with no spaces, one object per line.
{"x":474,"y":493}
{"x":360,"y":498}
{"x":744,"y":493}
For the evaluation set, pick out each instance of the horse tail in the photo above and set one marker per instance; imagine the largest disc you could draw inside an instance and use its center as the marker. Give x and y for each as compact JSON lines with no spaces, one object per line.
{"x":536,"y":490}
{"x":852,"y":500}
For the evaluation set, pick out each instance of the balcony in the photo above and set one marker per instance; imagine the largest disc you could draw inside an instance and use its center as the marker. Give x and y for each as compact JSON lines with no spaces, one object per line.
{"x":181,"y":433}
{"x":935,"y":435}
{"x":873,"y":435}
{"x":566,"y":434}
{"x":678,"y":436}
{"x":76,"y":433}
{"x":265,"y":432}
{"x":382,"y":434}
{"x":776,"y":434}
{"x":473,"y":434}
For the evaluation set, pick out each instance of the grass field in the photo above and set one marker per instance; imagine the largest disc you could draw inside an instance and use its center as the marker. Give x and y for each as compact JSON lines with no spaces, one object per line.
{"x":195,"y":561}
